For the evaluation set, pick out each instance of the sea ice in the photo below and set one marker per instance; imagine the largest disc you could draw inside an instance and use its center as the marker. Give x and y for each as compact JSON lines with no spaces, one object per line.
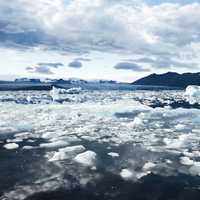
{"x":55,"y":93}
{"x":11,"y":146}
{"x":137,"y":122}
{"x":126,"y":174}
{"x":148,"y":166}
{"x":186,"y":161}
{"x":55,"y":144}
{"x":180,"y":127}
{"x":192,"y":94}
{"x":195,"y":169}
{"x":113,"y":154}
{"x":142,"y":174}
{"x":87,"y":158}
{"x":66,"y":152}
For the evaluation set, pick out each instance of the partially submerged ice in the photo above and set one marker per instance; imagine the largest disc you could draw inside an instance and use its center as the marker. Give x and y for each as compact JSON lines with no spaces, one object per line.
{"x":133,"y":143}
{"x":67,"y":152}
{"x":10,"y":146}
{"x":192,"y":94}
{"x":87,"y":158}
{"x":56,"y":92}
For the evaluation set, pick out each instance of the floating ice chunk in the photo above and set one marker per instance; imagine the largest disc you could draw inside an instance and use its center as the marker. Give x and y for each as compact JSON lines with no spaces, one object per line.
{"x":148,"y":166}
{"x":55,"y":94}
{"x":11,"y":146}
{"x":23,"y":135}
{"x":137,"y":122}
{"x":168,"y":161}
{"x":126,"y":174}
{"x":180,"y":127}
{"x":142,"y":174}
{"x":28,"y":147}
{"x":73,"y":90}
{"x":29,"y":99}
{"x":14,"y":140}
{"x":176,"y":143}
{"x":65,"y":153}
{"x":186,"y":161}
{"x":58,"y":156}
{"x":74,"y":149}
{"x":192,"y":94}
{"x":87,"y":158}
{"x":55,"y":144}
{"x":195,"y":169}
{"x":113,"y":154}
{"x":88,"y":138}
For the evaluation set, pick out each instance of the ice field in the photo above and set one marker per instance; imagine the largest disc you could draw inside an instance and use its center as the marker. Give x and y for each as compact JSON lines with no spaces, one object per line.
{"x":110,"y":141}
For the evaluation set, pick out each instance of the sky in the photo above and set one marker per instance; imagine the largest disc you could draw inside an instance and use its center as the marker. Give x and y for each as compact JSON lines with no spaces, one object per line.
{"x":121,"y":40}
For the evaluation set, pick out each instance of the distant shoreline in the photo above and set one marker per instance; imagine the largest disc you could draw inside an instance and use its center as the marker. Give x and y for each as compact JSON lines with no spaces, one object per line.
{"x":12,"y":86}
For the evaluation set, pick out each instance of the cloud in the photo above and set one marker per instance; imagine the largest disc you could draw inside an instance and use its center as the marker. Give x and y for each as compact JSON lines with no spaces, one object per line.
{"x":75,"y":64}
{"x":83,"y":59}
{"x":44,"y":68}
{"x":125,"y":27}
{"x":40,"y":70}
{"x":166,"y":62}
{"x":53,"y":65}
{"x":130,"y":66}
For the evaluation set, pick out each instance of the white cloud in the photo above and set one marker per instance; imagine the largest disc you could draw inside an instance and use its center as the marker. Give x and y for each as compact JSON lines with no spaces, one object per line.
{"x":130,"y":66}
{"x":163,"y":30}
{"x":75,"y":64}
{"x":40,"y":70}
{"x":44,"y":68}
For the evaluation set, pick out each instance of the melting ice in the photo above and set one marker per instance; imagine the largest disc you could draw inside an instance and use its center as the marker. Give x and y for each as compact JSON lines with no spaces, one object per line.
{"x":96,"y":132}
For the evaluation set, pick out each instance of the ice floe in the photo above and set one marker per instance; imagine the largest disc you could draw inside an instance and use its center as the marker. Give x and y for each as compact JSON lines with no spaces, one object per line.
{"x":113,"y":154}
{"x":186,"y":161}
{"x":67,"y":152}
{"x":55,"y":144}
{"x":87,"y":158}
{"x":195,"y":169}
{"x":126,"y":174}
{"x":11,"y":146}
{"x":55,"y":93}
{"x":148,"y":166}
{"x":160,"y":140}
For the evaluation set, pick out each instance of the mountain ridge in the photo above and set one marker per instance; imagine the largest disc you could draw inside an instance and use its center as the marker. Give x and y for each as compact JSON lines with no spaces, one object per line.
{"x":170,"y":79}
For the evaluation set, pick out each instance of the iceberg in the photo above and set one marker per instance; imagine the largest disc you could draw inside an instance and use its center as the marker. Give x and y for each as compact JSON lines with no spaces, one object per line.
{"x":56,"y":92}
{"x":192,"y":94}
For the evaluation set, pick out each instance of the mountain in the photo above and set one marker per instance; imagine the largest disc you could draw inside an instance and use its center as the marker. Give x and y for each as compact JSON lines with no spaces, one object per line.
{"x":170,"y":79}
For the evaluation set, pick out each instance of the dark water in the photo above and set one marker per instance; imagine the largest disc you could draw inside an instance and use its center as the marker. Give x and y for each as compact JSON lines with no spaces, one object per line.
{"x":24,"y":167}
{"x":112,"y":187}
